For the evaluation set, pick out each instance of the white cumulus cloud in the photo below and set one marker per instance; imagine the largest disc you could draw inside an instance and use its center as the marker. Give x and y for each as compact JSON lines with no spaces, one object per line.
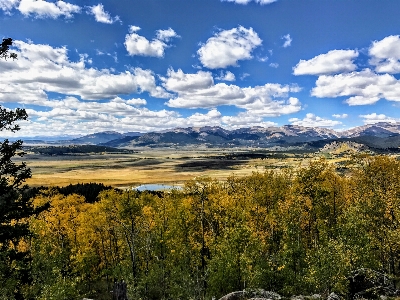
{"x":311,"y":120}
{"x":139,"y":45}
{"x":166,"y":35}
{"x":340,"y":116}
{"x":199,"y":91}
{"x":136,"y":102}
{"x":101,"y":15}
{"x":364,"y":87}
{"x":44,"y":9}
{"x":385,"y":55}
{"x":227,"y":47}
{"x":335,"y":61}
{"x":42,"y":68}
{"x":211,"y":118}
{"x":227,"y":76}
{"x":245,"y":119}
{"x":180,"y":82}
{"x":7,"y":5}
{"x":377,"y":118}
{"x":288,"y":41}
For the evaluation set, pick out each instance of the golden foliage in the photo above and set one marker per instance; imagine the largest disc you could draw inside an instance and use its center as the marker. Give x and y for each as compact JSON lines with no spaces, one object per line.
{"x":300,"y":232}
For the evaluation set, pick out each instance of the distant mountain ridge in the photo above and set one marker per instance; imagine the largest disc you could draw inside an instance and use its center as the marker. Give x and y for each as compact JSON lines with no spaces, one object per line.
{"x":98,"y":138}
{"x":379,"y":135}
{"x":383,"y":129}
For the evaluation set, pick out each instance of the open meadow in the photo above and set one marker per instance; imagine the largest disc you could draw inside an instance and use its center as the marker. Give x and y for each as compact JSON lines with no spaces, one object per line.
{"x":158,"y":166}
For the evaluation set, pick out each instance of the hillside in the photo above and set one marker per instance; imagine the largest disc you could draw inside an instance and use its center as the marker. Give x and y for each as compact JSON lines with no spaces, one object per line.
{"x":358,"y":144}
{"x":97,"y":138}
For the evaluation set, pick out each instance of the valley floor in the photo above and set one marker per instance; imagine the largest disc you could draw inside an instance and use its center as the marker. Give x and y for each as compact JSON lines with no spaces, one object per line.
{"x":162,"y":166}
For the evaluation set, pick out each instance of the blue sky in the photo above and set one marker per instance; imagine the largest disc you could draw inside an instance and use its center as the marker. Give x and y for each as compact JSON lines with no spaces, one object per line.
{"x":151,"y":65}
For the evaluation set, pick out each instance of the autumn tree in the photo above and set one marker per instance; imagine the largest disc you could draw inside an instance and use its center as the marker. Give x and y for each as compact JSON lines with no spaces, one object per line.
{"x":310,"y":215}
{"x":57,"y":259}
{"x":373,"y":218}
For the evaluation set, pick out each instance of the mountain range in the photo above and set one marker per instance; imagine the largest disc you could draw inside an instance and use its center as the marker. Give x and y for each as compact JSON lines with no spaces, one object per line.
{"x":379,"y":135}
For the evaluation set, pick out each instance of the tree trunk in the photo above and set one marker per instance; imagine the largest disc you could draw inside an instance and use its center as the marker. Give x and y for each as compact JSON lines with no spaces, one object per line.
{"x":119,"y":291}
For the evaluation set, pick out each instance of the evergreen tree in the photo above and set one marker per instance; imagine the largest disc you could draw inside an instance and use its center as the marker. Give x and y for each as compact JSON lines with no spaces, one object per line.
{"x":14,"y":207}
{"x":12,"y":175}
{"x":4,"y":49}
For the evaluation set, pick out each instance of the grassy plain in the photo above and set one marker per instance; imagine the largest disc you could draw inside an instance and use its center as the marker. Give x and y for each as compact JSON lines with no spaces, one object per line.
{"x":163,"y":166}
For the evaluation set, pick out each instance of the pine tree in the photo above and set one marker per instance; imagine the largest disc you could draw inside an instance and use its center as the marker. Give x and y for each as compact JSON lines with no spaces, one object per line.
{"x":14,"y":207}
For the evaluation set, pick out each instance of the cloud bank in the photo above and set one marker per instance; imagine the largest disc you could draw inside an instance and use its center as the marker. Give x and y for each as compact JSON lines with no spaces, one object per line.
{"x":338,"y":76}
{"x":98,"y":100}
{"x":198,"y":90}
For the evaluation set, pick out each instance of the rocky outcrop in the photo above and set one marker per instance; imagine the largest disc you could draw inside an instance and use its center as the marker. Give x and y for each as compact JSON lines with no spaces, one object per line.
{"x":333,"y":296}
{"x":302,"y":297}
{"x":258,"y":294}
{"x":363,"y":284}
{"x":367,"y":283}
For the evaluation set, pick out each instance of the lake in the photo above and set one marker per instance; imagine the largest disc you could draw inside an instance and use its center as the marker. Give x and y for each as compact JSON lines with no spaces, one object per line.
{"x":156,"y":187}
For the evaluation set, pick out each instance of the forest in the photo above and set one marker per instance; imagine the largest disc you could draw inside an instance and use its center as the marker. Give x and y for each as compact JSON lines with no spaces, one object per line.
{"x":296,"y":231}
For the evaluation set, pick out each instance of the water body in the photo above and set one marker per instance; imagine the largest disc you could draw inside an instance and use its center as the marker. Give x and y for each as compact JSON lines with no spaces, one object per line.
{"x":156,"y":187}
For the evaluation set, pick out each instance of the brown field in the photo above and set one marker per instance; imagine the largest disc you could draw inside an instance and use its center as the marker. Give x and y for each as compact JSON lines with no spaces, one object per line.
{"x":163,"y":166}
